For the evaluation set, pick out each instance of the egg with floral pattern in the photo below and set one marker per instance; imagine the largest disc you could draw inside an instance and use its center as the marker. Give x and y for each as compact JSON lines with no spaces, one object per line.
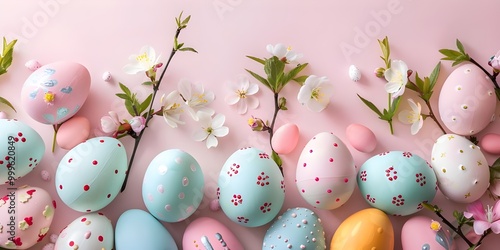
{"x":89,"y":231}
{"x":397,"y":182}
{"x":251,"y":186}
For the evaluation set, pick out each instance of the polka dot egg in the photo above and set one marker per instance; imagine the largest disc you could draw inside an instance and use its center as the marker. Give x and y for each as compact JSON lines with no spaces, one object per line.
{"x":91,"y":174}
{"x":90,"y":231}
{"x":172,"y":188}
{"x":326,"y":174}
{"x":297,"y":228}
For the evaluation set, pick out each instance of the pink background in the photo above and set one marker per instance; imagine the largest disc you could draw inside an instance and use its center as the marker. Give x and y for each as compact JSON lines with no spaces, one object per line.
{"x":102,"y":34}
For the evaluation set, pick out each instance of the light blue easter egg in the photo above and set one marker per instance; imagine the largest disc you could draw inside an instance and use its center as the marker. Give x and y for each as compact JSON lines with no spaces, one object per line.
{"x":251,"y":186}
{"x":91,"y":174}
{"x":397,"y":182}
{"x":138,"y":229}
{"x":21,"y":149}
{"x":172,"y":188}
{"x":297,"y":228}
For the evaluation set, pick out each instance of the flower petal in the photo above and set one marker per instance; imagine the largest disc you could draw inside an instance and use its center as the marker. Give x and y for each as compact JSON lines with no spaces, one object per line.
{"x":242,"y":107}
{"x":279,"y":50}
{"x":392,"y":87}
{"x":212,"y":141}
{"x":185,"y":88}
{"x":416,"y":126}
{"x":405,"y":116}
{"x":200,"y":135}
{"x":221,"y":131}
{"x":218,"y":121}
{"x":477,"y":210}
{"x":132,"y":69}
{"x":480,"y":226}
{"x":252,"y":89}
{"x":495,"y":227}
{"x":304,"y":94}
{"x":316,"y":106}
{"x":252,"y":102}
{"x":232,"y":99}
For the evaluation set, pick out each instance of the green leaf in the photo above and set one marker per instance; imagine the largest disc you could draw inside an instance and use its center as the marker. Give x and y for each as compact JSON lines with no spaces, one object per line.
{"x":130,"y":108}
{"x":434,"y":76}
{"x":125,"y":89}
{"x":145,"y":104}
{"x":293,"y":73}
{"x":371,"y":106}
{"x":123,"y":96}
{"x":147,"y":83}
{"x":261,"y":61}
{"x":2,"y":70}
{"x":276,"y":158}
{"x":411,"y":85}
{"x":188,"y":49}
{"x":460,"y":47}
{"x":450,"y":55}
{"x":394,"y":106}
{"x":186,"y":21}
{"x":274,"y":69}
{"x":259,"y":78}
{"x":386,"y":51}
{"x":419,"y":82}
{"x":282,"y":103}
{"x":6,"y":102}
{"x":300,"y":79}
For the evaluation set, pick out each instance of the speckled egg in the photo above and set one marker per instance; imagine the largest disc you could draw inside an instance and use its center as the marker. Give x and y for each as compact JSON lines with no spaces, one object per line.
{"x":252,"y":189}
{"x":461,"y":168}
{"x":326,"y":174}
{"x":55,"y":92}
{"x":205,"y":232}
{"x":297,"y":228}
{"x":90,"y":231}
{"x":436,"y":238}
{"x":467,"y":100}
{"x":25,"y":217}
{"x":397,"y":182}
{"x":90,"y":175}
{"x":21,"y":149}
{"x":366,"y":229}
{"x":172,"y":188}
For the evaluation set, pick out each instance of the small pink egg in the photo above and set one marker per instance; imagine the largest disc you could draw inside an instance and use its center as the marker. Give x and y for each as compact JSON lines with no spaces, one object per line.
{"x":214,"y":205}
{"x":45,"y":175}
{"x":490,"y":143}
{"x":73,"y":132}
{"x":361,"y":138}
{"x":33,"y":65}
{"x":285,"y":138}
{"x":3,"y":115}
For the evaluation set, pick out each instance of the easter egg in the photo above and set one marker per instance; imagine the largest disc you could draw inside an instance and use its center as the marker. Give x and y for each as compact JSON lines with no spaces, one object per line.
{"x":326,"y":174}
{"x":55,"y":92}
{"x":90,"y":231}
{"x":366,"y":229}
{"x":73,"y":132}
{"x":490,"y":143}
{"x":297,"y":228}
{"x":172,"y":188}
{"x":25,"y":217}
{"x":361,"y":138}
{"x":285,"y":138}
{"x":461,"y":168}
{"x":138,"y":229}
{"x":467,"y":100}
{"x":91,"y":174}
{"x":429,"y":238}
{"x":251,"y":186}
{"x":397,"y":182}
{"x":21,"y":149}
{"x":214,"y":234}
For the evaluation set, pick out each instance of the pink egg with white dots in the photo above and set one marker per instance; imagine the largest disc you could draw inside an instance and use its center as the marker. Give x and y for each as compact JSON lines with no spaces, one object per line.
{"x":90,"y":231}
{"x":326,"y":174}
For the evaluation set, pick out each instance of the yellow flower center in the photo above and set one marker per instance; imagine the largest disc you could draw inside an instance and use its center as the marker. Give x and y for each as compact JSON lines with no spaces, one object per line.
{"x":397,"y":77}
{"x":413,"y":117}
{"x":209,"y":130}
{"x":242,"y":94}
{"x":49,"y":97}
{"x":251,"y":121}
{"x":142,"y":57}
{"x":435,"y":225}
{"x":199,"y":99}
{"x":289,"y":48}
{"x":316,"y":94}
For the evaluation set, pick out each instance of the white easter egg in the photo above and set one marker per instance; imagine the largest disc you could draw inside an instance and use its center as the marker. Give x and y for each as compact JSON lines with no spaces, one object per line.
{"x":90,"y":231}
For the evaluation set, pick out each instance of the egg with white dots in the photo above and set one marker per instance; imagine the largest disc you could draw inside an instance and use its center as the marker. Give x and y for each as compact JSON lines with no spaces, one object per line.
{"x":467,"y":100}
{"x":297,"y":228}
{"x":461,"y":168}
{"x":89,"y":231}
{"x":172,"y":188}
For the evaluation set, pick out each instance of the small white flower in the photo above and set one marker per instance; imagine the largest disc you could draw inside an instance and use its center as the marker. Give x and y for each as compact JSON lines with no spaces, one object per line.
{"x":397,"y":77}
{"x":242,"y":95}
{"x":283,"y":52}
{"x":172,"y":108}
{"x":143,"y":62}
{"x":315,"y":93}
{"x":111,"y":123}
{"x":211,"y":129}
{"x":195,"y":98}
{"x":413,"y":116}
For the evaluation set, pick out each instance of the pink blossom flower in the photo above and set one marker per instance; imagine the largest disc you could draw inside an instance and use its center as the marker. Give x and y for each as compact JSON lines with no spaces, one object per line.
{"x":484,"y":218}
{"x":138,"y":123}
{"x":495,"y":61}
{"x":110,"y":124}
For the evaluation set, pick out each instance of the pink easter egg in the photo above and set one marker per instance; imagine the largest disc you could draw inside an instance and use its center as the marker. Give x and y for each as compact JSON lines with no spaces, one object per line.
{"x":55,"y":92}
{"x":285,"y":138}
{"x":3,"y":115}
{"x":73,"y":132}
{"x":490,"y":143}
{"x":209,"y":228}
{"x":438,"y":238}
{"x":25,"y":217}
{"x":361,"y":138}
{"x":467,"y":100}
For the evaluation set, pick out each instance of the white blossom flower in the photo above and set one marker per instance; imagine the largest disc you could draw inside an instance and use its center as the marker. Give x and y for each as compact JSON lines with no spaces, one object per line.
{"x":111,"y":123}
{"x":172,"y":108}
{"x":211,"y":129}
{"x":195,"y":98}
{"x":283,"y":52}
{"x":413,"y":116}
{"x":143,"y":62}
{"x":242,"y":95}
{"x":315,"y":93}
{"x":397,"y":77}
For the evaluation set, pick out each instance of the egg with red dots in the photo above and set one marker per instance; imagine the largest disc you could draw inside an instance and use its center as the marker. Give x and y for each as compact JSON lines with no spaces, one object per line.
{"x":326,"y":174}
{"x":297,"y":228}
{"x":21,"y":150}
{"x":89,"y":231}
{"x":26,"y":214}
{"x":397,"y":182}
{"x":55,"y":92}
{"x":251,"y":187}
{"x":172,"y":188}
{"x":461,"y":168}
{"x":467,"y":101}
{"x":91,"y":174}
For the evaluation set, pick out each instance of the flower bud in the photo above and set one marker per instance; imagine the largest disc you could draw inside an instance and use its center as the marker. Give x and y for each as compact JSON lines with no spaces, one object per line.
{"x":495,"y":62}
{"x":257,"y":124}
{"x":137,"y":123}
{"x":379,"y":72}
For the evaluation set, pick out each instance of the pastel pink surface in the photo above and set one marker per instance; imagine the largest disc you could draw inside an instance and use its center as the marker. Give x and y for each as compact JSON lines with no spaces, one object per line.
{"x":361,"y":138}
{"x":285,"y":138}
{"x":73,"y":132}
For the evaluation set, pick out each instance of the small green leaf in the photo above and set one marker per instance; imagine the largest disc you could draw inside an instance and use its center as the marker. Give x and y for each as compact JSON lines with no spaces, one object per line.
{"x":123,"y":96}
{"x":2,"y":70}
{"x":276,"y":158}
{"x":419,"y":82}
{"x":427,"y":205}
{"x":125,"y":89}
{"x":188,"y":49}
{"x":186,"y":21}
{"x":6,"y":102}
{"x":434,"y":75}
{"x":274,"y":69}
{"x":130,"y":108}
{"x":301,"y":79}
{"x":145,"y":104}
{"x":261,"y":61}
{"x":450,"y":55}
{"x":371,"y":106}
{"x":259,"y":78}
{"x":411,"y":85}
{"x":460,"y":47}
{"x":293,"y":73}
{"x":147,"y":83}
{"x":395,"y":105}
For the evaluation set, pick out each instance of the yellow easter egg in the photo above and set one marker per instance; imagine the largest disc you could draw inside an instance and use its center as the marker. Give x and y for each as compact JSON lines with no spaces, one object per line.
{"x":368,"y":229}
